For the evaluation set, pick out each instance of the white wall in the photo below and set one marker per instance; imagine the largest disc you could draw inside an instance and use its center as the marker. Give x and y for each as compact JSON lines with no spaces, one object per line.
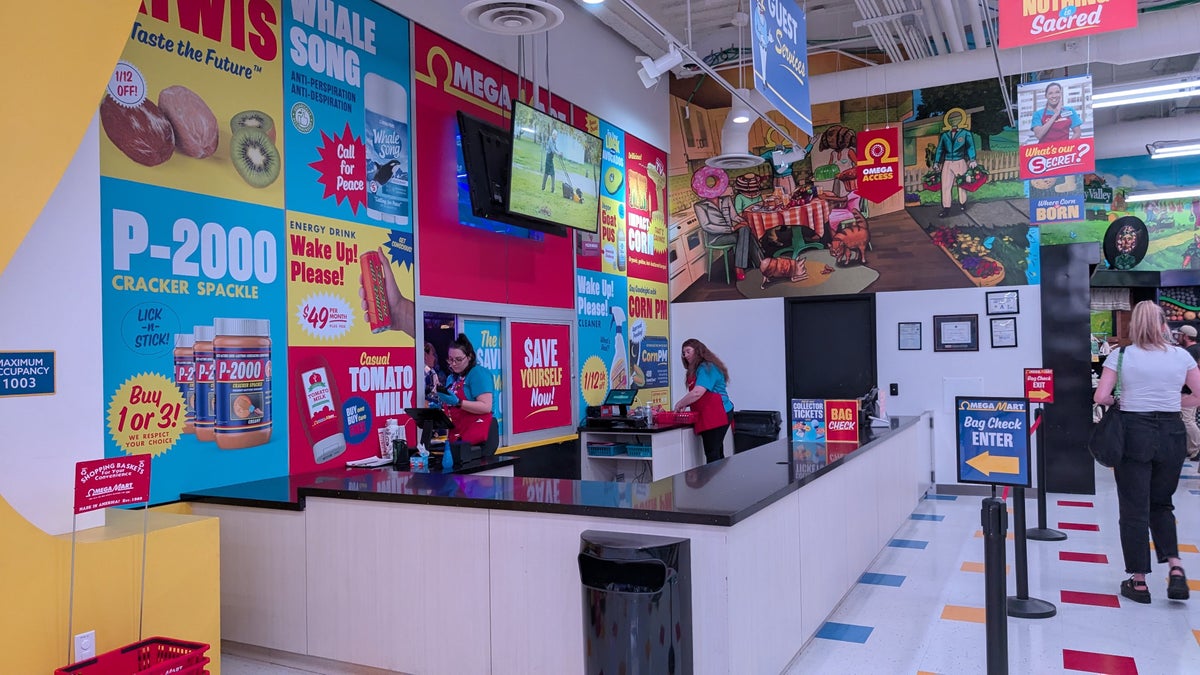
{"x":50,"y":300}
{"x":748,"y":337}
{"x":590,"y":65}
{"x":929,"y":380}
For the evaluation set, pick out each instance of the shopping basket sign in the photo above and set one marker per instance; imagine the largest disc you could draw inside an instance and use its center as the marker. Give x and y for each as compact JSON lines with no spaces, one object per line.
{"x":116,"y":481}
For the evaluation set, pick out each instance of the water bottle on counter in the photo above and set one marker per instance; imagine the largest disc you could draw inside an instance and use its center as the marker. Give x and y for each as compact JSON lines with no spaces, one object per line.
{"x":400,"y":460}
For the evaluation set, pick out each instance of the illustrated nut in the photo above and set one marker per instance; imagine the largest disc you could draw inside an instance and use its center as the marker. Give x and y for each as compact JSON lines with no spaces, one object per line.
{"x":142,"y":132}
{"x":195,"y":125}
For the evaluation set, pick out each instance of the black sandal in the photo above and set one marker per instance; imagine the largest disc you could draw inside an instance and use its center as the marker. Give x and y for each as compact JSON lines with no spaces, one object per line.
{"x":1129,"y":589}
{"x":1177,"y":585}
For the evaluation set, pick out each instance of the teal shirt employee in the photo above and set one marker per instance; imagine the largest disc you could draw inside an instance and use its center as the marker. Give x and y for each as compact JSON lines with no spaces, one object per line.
{"x":468,"y":394}
{"x":710,"y":377}
{"x":706,"y":381}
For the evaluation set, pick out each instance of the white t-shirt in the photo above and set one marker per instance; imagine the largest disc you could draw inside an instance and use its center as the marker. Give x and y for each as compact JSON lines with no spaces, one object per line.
{"x":1151,"y":379}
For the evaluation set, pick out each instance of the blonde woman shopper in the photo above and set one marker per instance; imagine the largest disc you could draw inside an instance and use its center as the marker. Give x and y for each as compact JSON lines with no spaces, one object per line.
{"x":1153,"y":371}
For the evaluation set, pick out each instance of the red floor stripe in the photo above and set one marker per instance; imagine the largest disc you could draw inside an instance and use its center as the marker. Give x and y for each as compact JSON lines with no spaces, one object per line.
{"x":1086,"y":527}
{"x":1071,"y":556}
{"x":1093,"y":599}
{"x":1090,"y":662}
{"x":1064,"y":502}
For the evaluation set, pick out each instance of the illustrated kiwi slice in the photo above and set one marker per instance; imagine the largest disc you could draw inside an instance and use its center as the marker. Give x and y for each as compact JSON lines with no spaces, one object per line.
{"x":255,"y":157}
{"x":253,"y":119}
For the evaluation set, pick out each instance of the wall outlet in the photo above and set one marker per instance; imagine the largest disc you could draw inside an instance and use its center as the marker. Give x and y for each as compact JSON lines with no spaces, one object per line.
{"x":894,"y":389}
{"x":85,"y":646}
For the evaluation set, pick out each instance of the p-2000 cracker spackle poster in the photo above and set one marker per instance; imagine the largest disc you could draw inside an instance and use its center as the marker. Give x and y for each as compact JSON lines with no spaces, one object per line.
{"x":206,"y":285}
{"x":192,"y":245}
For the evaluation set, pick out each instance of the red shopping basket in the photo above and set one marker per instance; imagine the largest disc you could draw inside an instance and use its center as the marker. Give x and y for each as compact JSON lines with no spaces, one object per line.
{"x":152,"y":656}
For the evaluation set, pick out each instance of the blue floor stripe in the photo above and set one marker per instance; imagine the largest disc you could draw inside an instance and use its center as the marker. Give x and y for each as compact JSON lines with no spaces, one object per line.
{"x":1195,"y":492}
{"x":1190,"y":476}
{"x":881,"y":579}
{"x":846,"y":632}
{"x":907,"y":543}
{"x":927,"y":516}
{"x":943,"y":498}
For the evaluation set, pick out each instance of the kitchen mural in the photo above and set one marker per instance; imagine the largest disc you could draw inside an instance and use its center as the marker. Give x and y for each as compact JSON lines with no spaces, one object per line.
{"x":800,"y":223}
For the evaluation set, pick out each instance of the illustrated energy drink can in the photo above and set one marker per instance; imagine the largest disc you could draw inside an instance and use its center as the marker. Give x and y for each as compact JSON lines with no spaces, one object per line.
{"x":379,"y":314}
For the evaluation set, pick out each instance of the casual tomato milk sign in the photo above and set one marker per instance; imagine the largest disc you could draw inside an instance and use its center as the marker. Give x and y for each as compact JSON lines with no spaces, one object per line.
{"x":541,"y":397}
{"x":1031,"y":22}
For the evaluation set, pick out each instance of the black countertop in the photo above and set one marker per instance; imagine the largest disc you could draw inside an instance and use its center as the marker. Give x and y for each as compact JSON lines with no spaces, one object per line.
{"x":654,"y":429}
{"x":722,"y":493}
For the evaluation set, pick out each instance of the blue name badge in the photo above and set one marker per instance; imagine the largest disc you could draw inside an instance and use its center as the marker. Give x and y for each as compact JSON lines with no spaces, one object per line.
{"x":26,"y":373}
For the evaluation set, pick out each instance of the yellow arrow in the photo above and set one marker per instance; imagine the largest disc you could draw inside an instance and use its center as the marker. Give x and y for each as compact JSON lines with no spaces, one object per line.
{"x":1039,"y":393}
{"x":988,"y":464}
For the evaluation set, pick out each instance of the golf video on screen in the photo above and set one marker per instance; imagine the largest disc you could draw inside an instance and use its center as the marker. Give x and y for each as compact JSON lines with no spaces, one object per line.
{"x":555,"y":173}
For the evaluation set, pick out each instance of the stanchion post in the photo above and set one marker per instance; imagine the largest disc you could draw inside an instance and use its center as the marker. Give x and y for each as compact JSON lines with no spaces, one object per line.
{"x":993,"y":517}
{"x":1042,"y":532}
{"x":1022,"y":606}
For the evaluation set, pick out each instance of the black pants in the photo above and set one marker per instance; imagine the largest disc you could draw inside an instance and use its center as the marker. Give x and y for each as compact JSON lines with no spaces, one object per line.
{"x":1155,"y":446}
{"x":714,"y":442}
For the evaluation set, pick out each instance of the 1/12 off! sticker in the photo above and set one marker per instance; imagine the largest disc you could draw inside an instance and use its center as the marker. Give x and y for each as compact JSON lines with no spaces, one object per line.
{"x":145,"y":415}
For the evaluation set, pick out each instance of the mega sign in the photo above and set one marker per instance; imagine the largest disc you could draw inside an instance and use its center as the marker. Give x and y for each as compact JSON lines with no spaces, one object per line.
{"x":1030,"y":22}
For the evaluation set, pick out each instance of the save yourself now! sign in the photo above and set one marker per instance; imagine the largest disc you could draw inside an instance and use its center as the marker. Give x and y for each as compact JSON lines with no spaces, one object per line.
{"x":1031,"y":22}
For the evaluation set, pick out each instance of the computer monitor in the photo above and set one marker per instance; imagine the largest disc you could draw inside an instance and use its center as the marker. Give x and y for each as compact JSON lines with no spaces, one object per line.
{"x":428,"y":421}
{"x":620,"y":397}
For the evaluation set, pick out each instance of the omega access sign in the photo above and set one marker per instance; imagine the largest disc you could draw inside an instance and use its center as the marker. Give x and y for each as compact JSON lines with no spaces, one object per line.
{"x":993,"y":440}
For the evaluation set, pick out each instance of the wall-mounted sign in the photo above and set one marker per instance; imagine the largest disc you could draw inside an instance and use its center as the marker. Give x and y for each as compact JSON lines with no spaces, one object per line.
{"x":541,"y":361}
{"x":1039,"y":385}
{"x":26,"y":373}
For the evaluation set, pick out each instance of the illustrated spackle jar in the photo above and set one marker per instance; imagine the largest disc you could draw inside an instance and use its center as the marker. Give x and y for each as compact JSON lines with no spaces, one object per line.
{"x":185,"y":378}
{"x":242,"y":382}
{"x":202,"y":352}
{"x":385,"y":137}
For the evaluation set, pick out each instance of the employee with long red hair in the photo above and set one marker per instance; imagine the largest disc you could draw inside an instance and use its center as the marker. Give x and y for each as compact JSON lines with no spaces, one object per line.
{"x":707,"y":378}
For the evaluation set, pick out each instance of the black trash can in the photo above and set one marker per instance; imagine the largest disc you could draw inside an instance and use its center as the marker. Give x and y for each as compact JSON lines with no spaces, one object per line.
{"x":752,"y":428}
{"x":637,"y":603}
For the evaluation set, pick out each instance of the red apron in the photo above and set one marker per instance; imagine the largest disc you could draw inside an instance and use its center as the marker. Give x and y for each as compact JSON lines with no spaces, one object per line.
{"x":709,"y":409}
{"x":468,"y":427}
{"x":1059,"y":131}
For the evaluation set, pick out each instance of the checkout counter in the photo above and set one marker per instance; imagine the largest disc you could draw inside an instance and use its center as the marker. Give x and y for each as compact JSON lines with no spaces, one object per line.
{"x":617,"y":445}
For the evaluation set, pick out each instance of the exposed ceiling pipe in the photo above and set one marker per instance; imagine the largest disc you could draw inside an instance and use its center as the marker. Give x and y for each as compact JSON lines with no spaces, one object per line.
{"x":1157,"y":36}
{"x":897,"y":10}
{"x":867,"y":10}
{"x":976,"y":19}
{"x":934,"y":27}
{"x":954,"y":35}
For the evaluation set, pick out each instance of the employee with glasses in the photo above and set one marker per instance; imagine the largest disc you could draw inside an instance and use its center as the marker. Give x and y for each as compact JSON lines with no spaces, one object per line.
{"x":467,"y":396}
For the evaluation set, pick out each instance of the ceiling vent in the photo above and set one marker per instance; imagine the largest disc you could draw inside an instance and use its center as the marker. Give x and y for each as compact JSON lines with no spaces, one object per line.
{"x":512,"y":18}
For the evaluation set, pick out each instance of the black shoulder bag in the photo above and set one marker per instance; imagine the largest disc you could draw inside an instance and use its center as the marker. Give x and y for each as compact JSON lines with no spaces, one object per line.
{"x":1107,"y":442}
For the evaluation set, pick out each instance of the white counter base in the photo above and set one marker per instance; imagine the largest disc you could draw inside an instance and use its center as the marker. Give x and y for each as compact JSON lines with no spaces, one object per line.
{"x":402,"y":586}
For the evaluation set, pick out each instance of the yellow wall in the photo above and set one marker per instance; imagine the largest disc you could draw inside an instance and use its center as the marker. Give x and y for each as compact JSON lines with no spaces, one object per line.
{"x":74,"y":48}
{"x":67,"y":53}
{"x":183,"y":588}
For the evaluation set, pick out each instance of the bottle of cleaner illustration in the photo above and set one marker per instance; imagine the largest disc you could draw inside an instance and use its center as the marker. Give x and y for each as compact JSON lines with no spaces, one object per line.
{"x":386,"y":139}
{"x":618,"y":372}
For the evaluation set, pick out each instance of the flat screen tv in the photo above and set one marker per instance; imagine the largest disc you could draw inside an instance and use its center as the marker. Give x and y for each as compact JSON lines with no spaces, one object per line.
{"x":486,"y":153}
{"x":555,"y":174}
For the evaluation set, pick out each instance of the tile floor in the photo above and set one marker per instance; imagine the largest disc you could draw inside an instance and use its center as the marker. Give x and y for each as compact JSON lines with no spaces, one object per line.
{"x":920,"y":607}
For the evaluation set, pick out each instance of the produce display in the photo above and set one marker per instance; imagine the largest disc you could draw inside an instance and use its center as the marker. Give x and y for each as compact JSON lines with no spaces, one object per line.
{"x":1180,"y":303}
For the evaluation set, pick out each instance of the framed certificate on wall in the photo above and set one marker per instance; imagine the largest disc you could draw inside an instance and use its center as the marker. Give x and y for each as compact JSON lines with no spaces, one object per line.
{"x":956,"y":333}
{"x":1003,"y":302}
{"x":1004,"y":332}
{"x":909,"y":335}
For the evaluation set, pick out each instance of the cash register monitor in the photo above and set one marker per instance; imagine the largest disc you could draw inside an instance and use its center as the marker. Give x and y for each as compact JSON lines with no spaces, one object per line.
{"x":620,"y":397}
{"x":429,"y":420}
